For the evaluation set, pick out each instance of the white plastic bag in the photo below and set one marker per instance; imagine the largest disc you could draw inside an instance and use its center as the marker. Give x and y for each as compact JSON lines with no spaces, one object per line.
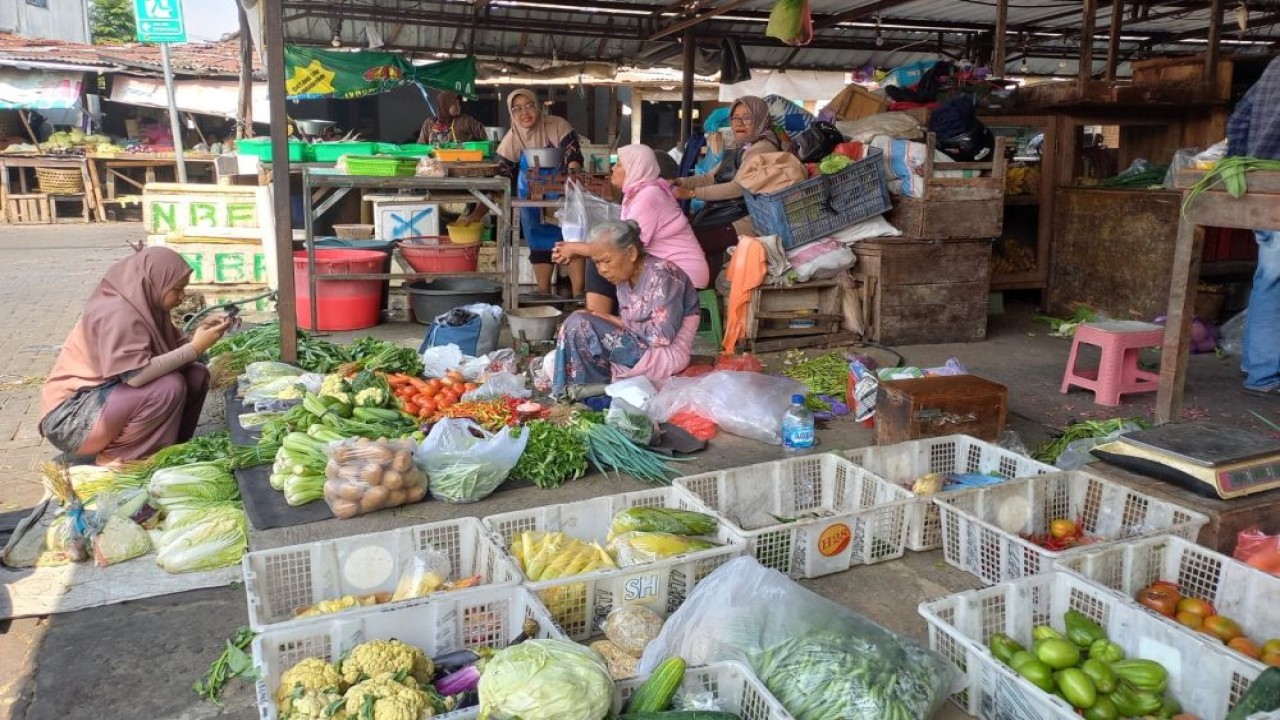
{"x":498,"y":385}
{"x":1231,"y":334}
{"x":584,"y":210}
{"x":464,"y":462}
{"x":635,"y":390}
{"x":746,"y":404}
{"x":439,"y":360}
{"x":820,"y":659}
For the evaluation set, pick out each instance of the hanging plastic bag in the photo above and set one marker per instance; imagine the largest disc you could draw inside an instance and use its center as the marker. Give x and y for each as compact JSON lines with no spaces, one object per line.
{"x":630,"y":421}
{"x":573,"y":216}
{"x":791,"y":22}
{"x":820,"y":659}
{"x":747,"y":404}
{"x":464,"y":462}
{"x":1258,"y":549}
{"x":1231,"y":334}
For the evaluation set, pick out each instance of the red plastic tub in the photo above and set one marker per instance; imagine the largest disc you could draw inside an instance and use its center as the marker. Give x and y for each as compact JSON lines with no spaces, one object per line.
{"x":340,"y":304}
{"x":439,"y":255}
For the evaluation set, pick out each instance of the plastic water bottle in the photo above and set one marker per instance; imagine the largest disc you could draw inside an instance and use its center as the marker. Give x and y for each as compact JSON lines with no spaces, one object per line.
{"x":797,"y":428}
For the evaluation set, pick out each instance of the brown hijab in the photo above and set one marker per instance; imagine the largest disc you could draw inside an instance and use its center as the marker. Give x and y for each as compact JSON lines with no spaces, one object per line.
{"x":762,"y":125}
{"x":548,"y":131}
{"x":123,"y":326}
{"x":462,"y":127}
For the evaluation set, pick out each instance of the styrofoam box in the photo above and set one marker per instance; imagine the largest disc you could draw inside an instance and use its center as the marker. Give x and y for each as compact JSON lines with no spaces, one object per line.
{"x":580,"y":603}
{"x":436,"y":625}
{"x":904,"y":462}
{"x":1243,"y":593}
{"x":1206,"y":677}
{"x":733,"y":686}
{"x":277,"y":582}
{"x":843,"y":514}
{"x":981,"y":528}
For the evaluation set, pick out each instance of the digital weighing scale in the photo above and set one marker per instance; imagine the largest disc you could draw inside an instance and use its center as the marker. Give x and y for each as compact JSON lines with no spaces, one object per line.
{"x":1205,"y":459}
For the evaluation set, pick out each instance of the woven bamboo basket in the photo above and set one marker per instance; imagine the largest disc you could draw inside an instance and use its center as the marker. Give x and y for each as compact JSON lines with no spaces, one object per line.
{"x":60,"y":181}
{"x":10,"y":124}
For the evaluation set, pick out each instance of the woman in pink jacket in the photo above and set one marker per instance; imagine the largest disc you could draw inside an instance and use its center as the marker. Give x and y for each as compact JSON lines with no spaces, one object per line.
{"x":648,"y":200}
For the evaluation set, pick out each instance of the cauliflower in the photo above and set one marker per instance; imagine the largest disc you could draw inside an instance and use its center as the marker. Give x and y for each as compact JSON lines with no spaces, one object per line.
{"x":294,"y":392}
{"x":378,"y":657}
{"x":310,"y":674}
{"x":315,"y":705}
{"x":371,"y":397}
{"x":335,"y":386}
{"x":385,"y":698}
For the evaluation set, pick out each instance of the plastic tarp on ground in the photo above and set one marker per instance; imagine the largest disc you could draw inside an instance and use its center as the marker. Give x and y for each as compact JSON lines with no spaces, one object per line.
{"x":34,"y":591}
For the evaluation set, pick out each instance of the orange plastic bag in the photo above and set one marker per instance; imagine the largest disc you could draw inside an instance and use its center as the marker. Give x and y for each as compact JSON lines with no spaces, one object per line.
{"x":699,"y":427}
{"x":745,"y":362}
{"x":1259,"y":549}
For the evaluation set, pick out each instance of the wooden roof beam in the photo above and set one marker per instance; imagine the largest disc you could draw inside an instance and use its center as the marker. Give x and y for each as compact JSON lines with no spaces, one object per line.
{"x":722,"y":8}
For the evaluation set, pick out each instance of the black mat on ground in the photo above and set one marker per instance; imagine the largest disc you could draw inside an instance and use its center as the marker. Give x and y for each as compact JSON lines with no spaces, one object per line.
{"x":265,"y":506}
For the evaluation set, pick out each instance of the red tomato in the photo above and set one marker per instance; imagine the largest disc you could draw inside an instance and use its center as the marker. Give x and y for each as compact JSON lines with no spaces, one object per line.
{"x":433,"y":387}
{"x":428,"y":406}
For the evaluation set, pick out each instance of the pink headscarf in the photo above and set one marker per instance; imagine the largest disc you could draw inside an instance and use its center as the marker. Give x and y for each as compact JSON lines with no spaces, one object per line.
{"x":642,"y":169}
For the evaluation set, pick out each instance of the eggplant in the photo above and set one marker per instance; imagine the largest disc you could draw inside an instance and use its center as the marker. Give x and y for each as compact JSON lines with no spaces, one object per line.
{"x":459,"y":681}
{"x":454,"y":661}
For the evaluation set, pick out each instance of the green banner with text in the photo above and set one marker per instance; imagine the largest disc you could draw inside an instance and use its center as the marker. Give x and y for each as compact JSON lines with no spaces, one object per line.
{"x":312,"y":73}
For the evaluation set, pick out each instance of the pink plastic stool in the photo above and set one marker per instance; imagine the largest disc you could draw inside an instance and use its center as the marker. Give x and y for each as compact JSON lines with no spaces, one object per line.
{"x":1118,"y":374}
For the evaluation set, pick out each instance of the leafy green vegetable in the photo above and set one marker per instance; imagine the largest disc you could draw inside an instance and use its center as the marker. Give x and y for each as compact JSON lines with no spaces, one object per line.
{"x":206,"y":544}
{"x":609,"y":449}
{"x":833,"y":164}
{"x":234,"y":353}
{"x":232,"y":663}
{"x":1230,"y":172}
{"x":1049,"y":452}
{"x":825,"y":375}
{"x":373,"y":354}
{"x":1067,"y":328}
{"x":203,"y":481}
{"x":553,"y":455}
{"x":546,"y":680}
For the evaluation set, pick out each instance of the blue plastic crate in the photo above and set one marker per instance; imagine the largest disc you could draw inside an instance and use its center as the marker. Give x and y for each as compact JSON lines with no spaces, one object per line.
{"x":823,"y":205}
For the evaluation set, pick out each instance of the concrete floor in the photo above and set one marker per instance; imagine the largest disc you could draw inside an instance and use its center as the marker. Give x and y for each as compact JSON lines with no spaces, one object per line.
{"x":138,"y":659}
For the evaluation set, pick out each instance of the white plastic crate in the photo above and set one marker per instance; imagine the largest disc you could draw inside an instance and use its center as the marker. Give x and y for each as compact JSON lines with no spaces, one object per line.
{"x":904,"y":462}
{"x":1206,"y":677}
{"x":441,"y":624}
{"x":845,"y":515}
{"x":732,"y":684}
{"x":982,"y":528}
{"x":1243,"y":593}
{"x":278,"y":581}
{"x":580,"y":603}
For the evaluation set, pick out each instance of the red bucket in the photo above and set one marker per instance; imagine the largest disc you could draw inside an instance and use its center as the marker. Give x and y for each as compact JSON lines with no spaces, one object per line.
{"x":340,"y":304}
{"x":429,"y":254}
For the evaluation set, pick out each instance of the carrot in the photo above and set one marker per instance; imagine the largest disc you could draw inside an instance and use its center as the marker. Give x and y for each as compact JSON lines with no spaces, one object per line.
{"x":418,"y":384}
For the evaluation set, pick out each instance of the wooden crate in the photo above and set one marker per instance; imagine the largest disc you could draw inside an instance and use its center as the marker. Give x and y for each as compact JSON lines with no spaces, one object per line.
{"x":955,"y":207}
{"x":856,"y":102}
{"x":32,"y":209}
{"x":802,"y":315}
{"x":935,"y":406}
{"x":919,"y":292}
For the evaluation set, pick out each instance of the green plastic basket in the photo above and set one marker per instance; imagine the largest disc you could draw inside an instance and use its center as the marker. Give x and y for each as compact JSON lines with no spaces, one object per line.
{"x":381,"y":166}
{"x":482,"y":145}
{"x":331,"y":151}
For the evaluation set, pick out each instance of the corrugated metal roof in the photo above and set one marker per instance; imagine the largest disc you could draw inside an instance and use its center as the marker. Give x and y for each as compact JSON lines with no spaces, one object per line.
{"x":203,"y":59}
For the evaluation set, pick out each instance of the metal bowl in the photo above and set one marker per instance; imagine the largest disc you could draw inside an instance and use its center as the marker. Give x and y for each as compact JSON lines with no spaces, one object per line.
{"x":543,"y":157}
{"x":313,"y":127}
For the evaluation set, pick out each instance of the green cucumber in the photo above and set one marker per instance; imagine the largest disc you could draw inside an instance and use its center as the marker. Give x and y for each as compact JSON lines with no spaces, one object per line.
{"x":656,"y":692}
{"x":681,"y":715}
{"x":1263,"y":695}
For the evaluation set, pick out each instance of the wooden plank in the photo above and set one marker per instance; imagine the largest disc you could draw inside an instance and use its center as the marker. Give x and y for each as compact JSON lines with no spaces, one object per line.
{"x":947,"y":219}
{"x":1213,"y":52}
{"x":1113,"y":40}
{"x":1086,"y":41}
{"x":812,"y":341}
{"x":916,"y":263}
{"x":946,"y":293}
{"x":1187,"y":249}
{"x":964,"y":189}
{"x":1253,"y":210}
{"x":941,"y":313}
{"x":998,"y":38}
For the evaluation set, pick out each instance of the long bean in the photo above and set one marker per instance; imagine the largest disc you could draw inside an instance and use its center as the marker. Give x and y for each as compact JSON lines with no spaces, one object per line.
{"x":607,"y":448}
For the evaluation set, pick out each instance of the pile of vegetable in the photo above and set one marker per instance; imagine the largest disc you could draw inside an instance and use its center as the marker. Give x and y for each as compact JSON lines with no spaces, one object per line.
{"x":372,"y":354}
{"x":1091,"y":673}
{"x":545,"y":680}
{"x":1063,"y":534}
{"x":1165,"y":598}
{"x":235,"y":352}
{"x":364,"y":476}
{"x":426,"y":399}
{"x":824,"y":375}
{"x":554,"y":455}
{"x":1067,"y":327}
{"x":204,"y":525}
{"x":628,"y":630}
{"x":1051,"y":450}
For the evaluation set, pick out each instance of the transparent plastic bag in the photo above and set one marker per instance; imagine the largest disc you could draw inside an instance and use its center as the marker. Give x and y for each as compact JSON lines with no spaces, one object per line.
{"x":632,"y":627}
{"x":820,"y":659}
{"x":640,"y":548}
{"x":258,"y":372}
{"x":364,"y":476}
{"x":289,"y":387}
{"x":621,"y":665}
{"x":1231,"y":334}
{"x":1080,"y":453}
{"x":465,"y":462}
{"x":427,"y":572}
{"x":746,"y":404}
{"x":630,"y":421}
{"x":1258,"y":549}
{"x":499,"y":385}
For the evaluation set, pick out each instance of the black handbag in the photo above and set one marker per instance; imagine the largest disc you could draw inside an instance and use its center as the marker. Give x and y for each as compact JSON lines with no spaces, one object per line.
{"x":68,"y":425}
{"x":817,"y":141}
{"x":721,"y":213}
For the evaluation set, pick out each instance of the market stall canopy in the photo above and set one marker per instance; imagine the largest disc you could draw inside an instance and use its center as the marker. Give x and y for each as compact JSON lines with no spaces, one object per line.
{"x":313,"y":74}
{"x":848,"y":34}
{"x":39,"y":89}
{"x":206,"y":97}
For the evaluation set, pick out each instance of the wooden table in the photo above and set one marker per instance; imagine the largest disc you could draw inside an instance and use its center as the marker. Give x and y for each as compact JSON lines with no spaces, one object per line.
{"x":1258,"y":208}
{"x":42,"y":161}
{"x":106,"y":168}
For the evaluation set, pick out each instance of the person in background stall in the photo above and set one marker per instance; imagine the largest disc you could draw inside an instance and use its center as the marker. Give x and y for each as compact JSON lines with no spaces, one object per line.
{"x":1254,"y":131}
{"x":724,"y":216}
{"x":126,"y":382}
{"x":652,"y":334}
{"x":664,"y":231}
{"x":532,"y":130}
{"x":451,"y":125}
